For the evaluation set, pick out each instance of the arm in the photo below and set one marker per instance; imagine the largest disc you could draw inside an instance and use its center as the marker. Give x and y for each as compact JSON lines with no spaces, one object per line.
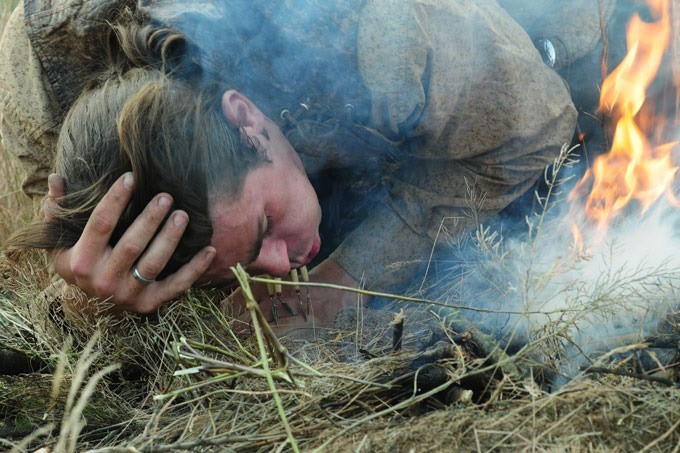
{"x":574,"y":27}
{"x":463,"y":88}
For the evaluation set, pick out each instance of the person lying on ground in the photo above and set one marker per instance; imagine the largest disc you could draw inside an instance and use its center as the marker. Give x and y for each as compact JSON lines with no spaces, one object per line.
{"x":449,"y":98}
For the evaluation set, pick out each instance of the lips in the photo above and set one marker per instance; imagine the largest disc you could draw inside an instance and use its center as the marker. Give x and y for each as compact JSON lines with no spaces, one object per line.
{"x":316,"y":246}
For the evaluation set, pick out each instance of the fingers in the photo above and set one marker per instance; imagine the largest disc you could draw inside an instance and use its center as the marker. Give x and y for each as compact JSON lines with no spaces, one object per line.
{"x":106,"y":273}
{"x":55,"y":184}
{"x":105,"y":216}
{"x":139,"y":235}
{"x":118,"y":278}
{"x":131,"y":295}
{"x":161,"y":249}
{"x":180,"y":282}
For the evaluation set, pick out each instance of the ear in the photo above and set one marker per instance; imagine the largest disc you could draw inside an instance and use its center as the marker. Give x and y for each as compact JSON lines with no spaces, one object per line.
{"x":241,"y":112}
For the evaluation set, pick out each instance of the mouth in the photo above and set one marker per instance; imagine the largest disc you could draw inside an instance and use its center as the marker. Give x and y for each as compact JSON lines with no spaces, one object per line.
{"x":313,"y":251}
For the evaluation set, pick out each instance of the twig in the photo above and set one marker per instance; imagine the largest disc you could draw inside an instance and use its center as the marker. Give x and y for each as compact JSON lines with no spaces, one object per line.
{"x":398,"y":331}
{"x":664,"y":341}
{"x":644,"y":377}
{"x":412,"y":299}
{"x":260,"y":324}
{"x":665,"y":435}
{"x":204,"y":442}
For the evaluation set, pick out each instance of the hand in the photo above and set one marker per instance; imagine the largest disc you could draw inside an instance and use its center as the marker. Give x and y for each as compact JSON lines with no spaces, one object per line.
{"x":325,"y":303}
{"x":105,"y":272}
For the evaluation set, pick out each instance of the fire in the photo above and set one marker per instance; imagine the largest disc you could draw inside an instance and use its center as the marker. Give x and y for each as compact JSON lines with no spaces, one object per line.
{"x":636,"y":168}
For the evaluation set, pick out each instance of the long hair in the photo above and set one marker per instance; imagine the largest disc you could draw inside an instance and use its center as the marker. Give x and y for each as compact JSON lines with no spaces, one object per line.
{"x":155,"y":113}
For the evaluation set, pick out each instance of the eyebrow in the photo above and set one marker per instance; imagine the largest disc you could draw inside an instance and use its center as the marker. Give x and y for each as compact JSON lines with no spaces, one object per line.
{"x":255,"y":250}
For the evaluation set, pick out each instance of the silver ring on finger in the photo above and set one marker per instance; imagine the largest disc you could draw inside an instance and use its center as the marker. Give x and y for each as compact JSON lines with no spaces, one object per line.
{"x":140,"y":278}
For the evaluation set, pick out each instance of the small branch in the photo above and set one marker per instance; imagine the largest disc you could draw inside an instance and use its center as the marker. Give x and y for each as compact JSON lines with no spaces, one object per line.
{"x":262,"y":328}
{"x":398,"y":331}
{"x":206,"y":361}
{"x":664,"y":341}
{"x":409,"y":299}
{"x":643,"y":377}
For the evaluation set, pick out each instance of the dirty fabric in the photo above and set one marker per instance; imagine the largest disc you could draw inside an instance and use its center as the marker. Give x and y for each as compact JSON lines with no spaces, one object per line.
{"x":574,"y":26}
{"x":448,"y":103}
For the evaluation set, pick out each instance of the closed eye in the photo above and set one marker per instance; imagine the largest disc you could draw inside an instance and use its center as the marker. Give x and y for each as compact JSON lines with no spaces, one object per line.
{"x":263,"y":230}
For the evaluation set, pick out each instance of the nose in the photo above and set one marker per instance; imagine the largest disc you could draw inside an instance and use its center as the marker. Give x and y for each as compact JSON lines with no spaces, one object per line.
{"x":273,"y":258}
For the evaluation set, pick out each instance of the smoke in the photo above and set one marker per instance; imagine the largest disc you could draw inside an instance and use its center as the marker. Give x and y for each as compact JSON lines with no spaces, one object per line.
{"x":572,"y":306}
{"x":279,"y":53}
{"x":619,"y":291}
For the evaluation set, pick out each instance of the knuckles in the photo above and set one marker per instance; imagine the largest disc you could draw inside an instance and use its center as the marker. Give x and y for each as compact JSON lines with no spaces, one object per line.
{"x":130,"y":249}
{"x":80,"y":268}
{"x":155,"y":214}
{"x":152,"y":267}
{"x":101,"y":224}
{"x":103,"y":287}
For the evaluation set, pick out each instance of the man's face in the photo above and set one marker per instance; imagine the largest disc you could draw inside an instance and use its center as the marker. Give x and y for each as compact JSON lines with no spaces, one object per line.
{"x":274,"y":225}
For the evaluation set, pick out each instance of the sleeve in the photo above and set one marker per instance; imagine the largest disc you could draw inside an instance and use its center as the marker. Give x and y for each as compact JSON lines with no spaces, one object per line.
{"x":29,"y":113}
{"x":479,"y":112}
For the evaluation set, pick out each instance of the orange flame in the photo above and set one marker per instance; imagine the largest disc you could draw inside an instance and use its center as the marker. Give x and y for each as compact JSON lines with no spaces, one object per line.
{"x":634,"y":169}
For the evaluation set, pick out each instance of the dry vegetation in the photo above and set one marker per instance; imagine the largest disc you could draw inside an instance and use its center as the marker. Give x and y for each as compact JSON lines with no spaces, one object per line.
{"x":183,"y":381}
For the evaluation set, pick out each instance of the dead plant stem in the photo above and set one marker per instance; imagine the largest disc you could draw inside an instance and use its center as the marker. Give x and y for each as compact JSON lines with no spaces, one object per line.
{"x":408,"y":299}
{"x":256,"y":316}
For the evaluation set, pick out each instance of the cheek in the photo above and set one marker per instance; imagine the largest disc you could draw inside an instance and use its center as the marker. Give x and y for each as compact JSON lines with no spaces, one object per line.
{"x":296,"y":212}
{"x":305,"y":215}
{"x":309,"y":201}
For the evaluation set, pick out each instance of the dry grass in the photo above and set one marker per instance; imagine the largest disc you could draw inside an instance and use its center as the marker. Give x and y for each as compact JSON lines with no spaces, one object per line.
{"x":184,"y":382}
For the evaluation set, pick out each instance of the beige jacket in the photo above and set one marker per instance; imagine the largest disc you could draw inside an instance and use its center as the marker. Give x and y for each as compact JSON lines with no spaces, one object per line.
{"x":456,"y":87}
